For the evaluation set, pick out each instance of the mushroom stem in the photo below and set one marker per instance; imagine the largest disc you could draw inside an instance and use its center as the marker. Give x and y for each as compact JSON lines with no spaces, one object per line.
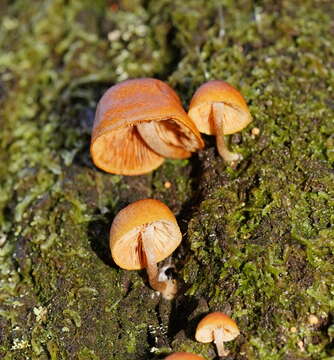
{"x":167,"y":288}
{"x":219,"y":110}
{"x":218,"y":340}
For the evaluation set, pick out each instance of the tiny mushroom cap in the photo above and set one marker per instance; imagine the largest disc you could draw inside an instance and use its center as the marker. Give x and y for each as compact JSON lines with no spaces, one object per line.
{"x":219,"y":328}
{"x":137,"y":124}
{"x":142,"y":234}
{"x":184,"y":356}
{"x":217,"y":108}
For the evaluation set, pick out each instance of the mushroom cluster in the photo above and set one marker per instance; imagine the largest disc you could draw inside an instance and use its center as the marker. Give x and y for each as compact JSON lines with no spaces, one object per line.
{"x":145,"y":233}
{"x":139,"y":123}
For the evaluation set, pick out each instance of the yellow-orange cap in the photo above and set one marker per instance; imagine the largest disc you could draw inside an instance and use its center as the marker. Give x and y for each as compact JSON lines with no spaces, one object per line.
{"x":116,"y":145}
{"x":126,"y":227}
{"x":206,"y":327}
{"x":200,"y":109}
{"x":184,"y":356}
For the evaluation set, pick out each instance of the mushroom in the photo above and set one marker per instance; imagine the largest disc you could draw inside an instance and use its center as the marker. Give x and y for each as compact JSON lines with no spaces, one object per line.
{"x":137,"y":124}
{"x":142,"y":234}
{"x":217,"y":108}
{"x":184,"y":356}
{"x":219,"y":328}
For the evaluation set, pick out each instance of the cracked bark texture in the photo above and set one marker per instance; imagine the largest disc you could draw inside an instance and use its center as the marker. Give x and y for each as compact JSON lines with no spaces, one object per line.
{"x":258,"y":240}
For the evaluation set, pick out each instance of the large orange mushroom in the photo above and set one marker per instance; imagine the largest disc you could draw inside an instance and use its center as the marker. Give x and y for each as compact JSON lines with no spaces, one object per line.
{"x":217,"y":327}
{"x":137,"y":124}
{"x":217,"y":108}
{"x":142,"y":234}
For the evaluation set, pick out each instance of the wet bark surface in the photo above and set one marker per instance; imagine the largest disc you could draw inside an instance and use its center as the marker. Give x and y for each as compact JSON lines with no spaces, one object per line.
{"x":258,"y":240}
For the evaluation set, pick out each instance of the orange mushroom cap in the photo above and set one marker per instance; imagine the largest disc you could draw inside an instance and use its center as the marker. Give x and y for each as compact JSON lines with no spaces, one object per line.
{"x":200,"y":109}
{"x":116,"y":144}
{"x":205,"y":328}
{"x":126,"y":228}
{"x":184,"y":356}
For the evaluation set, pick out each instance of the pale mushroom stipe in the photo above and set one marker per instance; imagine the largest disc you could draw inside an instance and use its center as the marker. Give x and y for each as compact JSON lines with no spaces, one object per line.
{"x":143,"y":234}
{"x":219,"y":328}
{"x":217,"y":108}
{"x":137,"y":124}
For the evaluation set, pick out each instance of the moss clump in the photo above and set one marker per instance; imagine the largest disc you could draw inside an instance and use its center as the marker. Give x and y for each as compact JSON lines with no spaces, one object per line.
{"x":258,"y":239}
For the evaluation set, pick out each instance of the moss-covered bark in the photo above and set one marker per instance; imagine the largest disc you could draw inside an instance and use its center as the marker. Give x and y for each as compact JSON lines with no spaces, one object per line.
{"x":258,"y":239}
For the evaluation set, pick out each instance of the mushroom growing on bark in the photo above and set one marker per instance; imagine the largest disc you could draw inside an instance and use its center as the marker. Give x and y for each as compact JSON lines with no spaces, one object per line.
{"x":184,"y":356}
{"x":219,"y":328}
{"x":217,"y":108}
{"x":142,"y":234}
{"x":137,"y":124}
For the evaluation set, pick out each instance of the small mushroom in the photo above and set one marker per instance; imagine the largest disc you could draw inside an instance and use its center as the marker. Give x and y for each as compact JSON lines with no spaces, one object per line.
{"x":219,"y":328}
{"x":137,"y":124}
{"x":217,"y":108}
{"x":184,"y":356}
{"x":142,"y":234}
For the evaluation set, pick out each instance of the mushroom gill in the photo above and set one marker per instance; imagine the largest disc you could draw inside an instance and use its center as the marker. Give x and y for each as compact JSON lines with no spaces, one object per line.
{"x":123,"y":151}
{"x":168,"y":138}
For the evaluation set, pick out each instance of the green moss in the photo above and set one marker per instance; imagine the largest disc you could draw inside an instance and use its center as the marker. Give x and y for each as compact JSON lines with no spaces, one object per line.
{"x":258,"y":239}
{"x":86,"y":354}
